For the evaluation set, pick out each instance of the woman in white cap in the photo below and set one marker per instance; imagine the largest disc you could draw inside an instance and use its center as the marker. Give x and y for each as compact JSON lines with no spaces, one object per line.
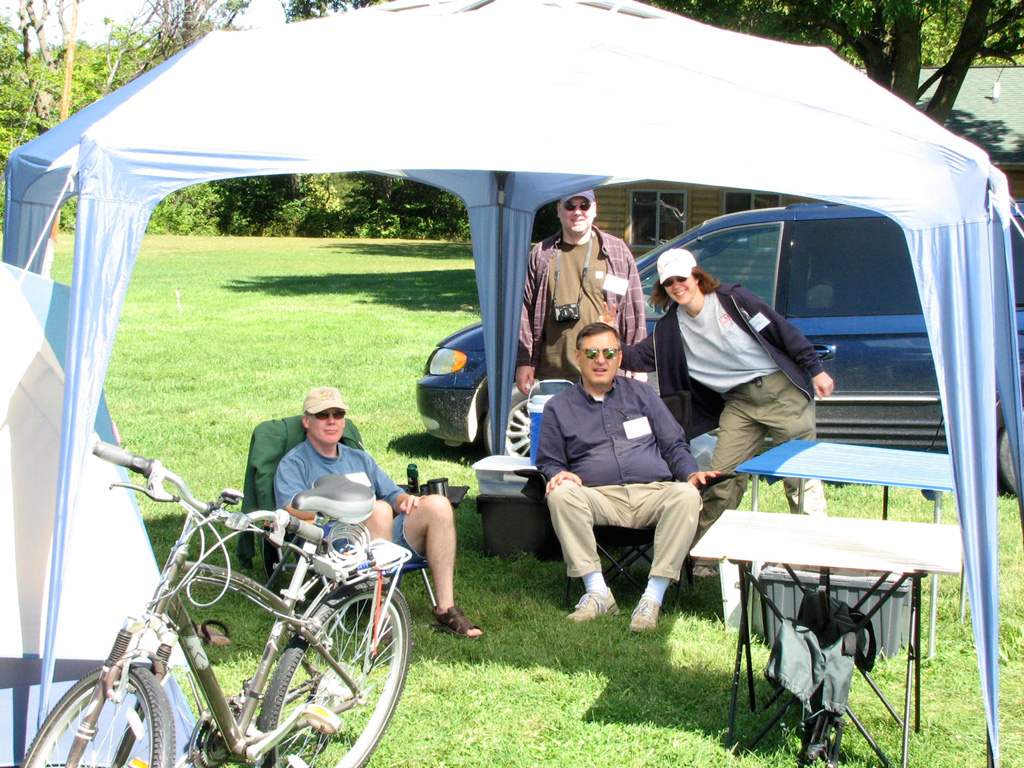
{"x":747,"y":370}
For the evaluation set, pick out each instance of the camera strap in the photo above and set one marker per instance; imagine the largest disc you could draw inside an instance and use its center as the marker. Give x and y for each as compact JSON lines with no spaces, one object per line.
{"x":586,"y":269}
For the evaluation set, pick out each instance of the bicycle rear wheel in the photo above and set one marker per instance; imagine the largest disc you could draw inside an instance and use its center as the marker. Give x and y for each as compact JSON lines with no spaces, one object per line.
{"x":303,"y":678}
{"x":138,"y":732}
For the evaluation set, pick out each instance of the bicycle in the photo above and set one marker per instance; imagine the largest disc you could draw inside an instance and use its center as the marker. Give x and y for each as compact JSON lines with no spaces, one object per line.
{"x":326,"y":702}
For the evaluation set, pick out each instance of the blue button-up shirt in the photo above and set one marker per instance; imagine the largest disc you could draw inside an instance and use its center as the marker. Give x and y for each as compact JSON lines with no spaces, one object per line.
{"x":589,"y":437}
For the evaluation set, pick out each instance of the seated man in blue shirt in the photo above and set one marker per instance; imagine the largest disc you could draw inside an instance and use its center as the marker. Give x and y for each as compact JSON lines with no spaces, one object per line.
{"x":612,"y":453}
{"x":425,"y":525}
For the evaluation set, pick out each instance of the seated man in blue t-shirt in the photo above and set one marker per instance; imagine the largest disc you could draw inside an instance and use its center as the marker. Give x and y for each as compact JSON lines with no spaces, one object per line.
{"x":425,"y":525}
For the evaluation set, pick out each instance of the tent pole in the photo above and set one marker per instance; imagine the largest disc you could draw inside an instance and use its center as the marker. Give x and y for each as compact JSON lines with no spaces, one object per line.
{"x":498,"y":426}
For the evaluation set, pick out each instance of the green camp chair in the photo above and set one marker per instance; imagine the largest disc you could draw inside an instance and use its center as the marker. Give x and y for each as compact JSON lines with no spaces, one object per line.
{"x":271,"y":440}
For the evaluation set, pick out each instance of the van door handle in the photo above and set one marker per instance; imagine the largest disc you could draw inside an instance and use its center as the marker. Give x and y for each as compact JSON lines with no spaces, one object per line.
{"x":825,"y":351}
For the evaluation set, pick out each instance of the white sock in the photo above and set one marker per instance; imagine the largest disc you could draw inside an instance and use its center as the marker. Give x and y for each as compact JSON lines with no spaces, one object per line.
{"x":656,"y":586}
{"x":594,"y":582}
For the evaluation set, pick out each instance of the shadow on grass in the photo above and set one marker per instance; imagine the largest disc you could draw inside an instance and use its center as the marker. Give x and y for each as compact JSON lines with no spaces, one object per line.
{"x":435,"y":290}
{"x":426,"y":448}
{"x":661,"y":679}
{"x":402,"y":249}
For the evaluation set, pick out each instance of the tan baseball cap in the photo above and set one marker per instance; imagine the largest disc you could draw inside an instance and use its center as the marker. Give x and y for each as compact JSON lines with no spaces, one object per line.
{"x":322,"y":398}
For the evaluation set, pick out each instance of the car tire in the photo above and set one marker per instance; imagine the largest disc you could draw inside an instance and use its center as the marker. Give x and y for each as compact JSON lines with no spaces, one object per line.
{"x":1007,"y":479}
{"x":517,"y":430}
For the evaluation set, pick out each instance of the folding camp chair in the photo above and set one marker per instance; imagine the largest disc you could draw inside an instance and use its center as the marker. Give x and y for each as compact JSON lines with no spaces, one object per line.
{"x":270,"y":441}
{"x":622,"y":548}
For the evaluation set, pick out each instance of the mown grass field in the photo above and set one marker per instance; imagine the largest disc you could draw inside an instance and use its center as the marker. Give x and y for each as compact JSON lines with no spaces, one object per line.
{"x":218,"y":334}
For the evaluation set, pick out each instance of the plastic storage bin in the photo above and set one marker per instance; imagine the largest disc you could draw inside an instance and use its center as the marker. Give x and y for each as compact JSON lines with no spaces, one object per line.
{"x":891,"y":624}
{"x":517,"y":525}
{"x":496,"y":475}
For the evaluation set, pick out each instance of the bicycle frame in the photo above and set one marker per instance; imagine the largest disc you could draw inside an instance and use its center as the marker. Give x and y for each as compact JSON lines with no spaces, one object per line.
{"x":234,"y":728}
{"x":166,"y":618}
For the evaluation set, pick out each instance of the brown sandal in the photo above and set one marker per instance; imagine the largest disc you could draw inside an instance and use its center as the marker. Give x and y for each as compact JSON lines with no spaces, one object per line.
{"x":214,"y":632}
{"x":454,"y":622}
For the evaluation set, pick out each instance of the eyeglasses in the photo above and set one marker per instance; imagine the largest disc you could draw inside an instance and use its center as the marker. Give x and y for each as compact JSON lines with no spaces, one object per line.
{"x":610,"y":353}
{"x":571,"y":206}
{"x":672,"y":281}
{"x":336,"y":415}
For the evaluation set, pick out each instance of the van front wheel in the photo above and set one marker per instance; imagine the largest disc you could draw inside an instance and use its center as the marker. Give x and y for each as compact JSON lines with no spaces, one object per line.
{"x":1007,"y":479}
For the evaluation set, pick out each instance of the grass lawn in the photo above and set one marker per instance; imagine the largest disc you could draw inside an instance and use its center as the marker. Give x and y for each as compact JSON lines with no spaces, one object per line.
{"x":218,"y":334}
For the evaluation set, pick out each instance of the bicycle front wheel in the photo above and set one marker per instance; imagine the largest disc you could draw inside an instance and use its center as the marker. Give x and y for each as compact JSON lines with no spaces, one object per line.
{"x":303,"y":679}
{"x":137,"y":732}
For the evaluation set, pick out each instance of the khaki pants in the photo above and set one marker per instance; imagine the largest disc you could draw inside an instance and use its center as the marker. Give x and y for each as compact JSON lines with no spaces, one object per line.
{"x":673,"y":508}
{"x":771,"y":404}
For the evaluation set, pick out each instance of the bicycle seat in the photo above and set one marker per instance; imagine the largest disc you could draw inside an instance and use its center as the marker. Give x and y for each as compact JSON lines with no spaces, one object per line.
{"x":338,"y":498}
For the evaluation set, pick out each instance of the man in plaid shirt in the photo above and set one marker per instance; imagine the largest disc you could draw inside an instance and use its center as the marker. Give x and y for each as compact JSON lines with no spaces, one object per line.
{"x":576,"y":277}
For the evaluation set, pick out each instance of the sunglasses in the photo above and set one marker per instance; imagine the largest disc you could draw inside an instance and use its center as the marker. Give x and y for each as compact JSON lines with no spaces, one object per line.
{"x":571,"y":206}
{"x":673,"y":280}
{"x":336,"y":415}
{"x":610,"y":353}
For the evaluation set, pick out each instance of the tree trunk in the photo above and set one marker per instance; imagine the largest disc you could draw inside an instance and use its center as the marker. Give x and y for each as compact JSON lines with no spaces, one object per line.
{"x":972,"y":39}
{"x":906,"y":57}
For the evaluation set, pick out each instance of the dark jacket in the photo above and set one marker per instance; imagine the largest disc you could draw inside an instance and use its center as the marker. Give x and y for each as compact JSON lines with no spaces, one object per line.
{"x":664,"y":351}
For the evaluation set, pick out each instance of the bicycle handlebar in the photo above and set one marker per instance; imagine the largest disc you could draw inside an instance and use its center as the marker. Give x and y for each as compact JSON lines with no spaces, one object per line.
{"x":156,"y":473}
{"x":309,"y":531}
{"x":123,"y":458}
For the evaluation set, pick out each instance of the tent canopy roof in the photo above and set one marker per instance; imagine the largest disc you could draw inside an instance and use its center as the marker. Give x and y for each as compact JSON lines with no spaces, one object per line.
{"x":483,"y":99}
{"x":445,"y":92}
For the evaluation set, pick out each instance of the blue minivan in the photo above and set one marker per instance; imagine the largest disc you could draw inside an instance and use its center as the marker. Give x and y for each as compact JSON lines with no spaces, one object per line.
{"x":842,"y":275}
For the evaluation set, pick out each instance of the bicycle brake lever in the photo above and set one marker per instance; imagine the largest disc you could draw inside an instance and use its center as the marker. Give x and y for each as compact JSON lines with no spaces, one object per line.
{"x":277,"y":534}
{"x":155,"y":494}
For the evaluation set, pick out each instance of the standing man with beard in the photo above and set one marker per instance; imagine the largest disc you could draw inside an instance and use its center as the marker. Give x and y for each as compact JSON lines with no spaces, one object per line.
{"x":577,"y":276}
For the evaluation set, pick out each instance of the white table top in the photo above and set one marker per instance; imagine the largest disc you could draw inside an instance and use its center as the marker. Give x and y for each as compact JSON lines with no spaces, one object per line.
{"x":833,"y":542}
{"x":840,"y":463}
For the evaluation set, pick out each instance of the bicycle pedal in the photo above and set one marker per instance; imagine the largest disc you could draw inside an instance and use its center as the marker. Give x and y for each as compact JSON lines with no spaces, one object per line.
{"x":322,"y":720}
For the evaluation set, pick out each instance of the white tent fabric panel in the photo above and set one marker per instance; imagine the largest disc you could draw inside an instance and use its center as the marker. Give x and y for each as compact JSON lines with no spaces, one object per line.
{"x":476,"y":102}
{"x":109,"y":540}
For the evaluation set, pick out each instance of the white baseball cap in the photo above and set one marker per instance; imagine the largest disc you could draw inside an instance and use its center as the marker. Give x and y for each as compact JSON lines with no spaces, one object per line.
{"x":675,"y":262}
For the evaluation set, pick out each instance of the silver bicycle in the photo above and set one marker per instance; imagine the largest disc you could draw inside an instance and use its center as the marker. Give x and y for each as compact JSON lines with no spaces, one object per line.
{"x":325,"y":700}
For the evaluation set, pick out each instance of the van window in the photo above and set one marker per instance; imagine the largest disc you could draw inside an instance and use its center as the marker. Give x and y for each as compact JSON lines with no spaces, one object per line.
{"x":748,"y":255}
{"x":850,"y":267}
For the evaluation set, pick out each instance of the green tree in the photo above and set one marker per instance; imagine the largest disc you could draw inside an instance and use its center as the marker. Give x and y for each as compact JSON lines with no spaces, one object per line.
{"x":890,"y":39}
{"x":18,"y":120}
{"x":384,"y":206}
{"x":297,"y":10}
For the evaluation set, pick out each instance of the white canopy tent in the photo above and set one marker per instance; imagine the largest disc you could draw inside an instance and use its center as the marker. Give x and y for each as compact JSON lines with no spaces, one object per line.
{"x":484,"y":99}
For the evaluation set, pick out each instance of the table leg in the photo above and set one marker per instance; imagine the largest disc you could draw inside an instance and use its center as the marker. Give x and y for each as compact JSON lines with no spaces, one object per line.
{"x":754,"y":488}
{"x":741,"y":641}
{"x":934,"y":608}
{"x":913,"y":689}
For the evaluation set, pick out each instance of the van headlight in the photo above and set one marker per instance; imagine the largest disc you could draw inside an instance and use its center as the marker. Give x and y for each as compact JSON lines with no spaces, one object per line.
{"x":446,"y":360}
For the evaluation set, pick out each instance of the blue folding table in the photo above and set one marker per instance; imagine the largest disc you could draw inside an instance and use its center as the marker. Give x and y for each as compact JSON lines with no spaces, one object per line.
{"x":840,"y":463}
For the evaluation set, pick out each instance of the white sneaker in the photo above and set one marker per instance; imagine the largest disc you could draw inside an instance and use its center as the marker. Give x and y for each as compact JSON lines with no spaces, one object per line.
{"x":645,"y":616}
{"x":592,"y":605}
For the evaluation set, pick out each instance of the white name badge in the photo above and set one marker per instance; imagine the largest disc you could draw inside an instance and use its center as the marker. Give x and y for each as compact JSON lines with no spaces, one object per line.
{"x":616,"y":285}
{"x":361,"y":478}
{"x":637,"y":427}
{"x":759,"y":321}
